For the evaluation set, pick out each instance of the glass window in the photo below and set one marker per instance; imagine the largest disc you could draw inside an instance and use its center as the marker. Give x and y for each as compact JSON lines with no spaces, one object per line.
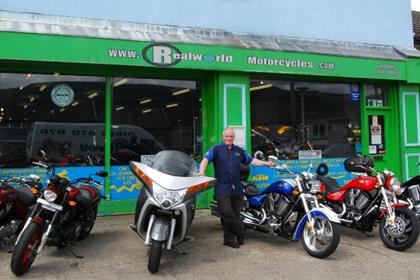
{"x":60,"y":114}
{"x":376,"y":95}
{"x":151,"y":114}
{"x":292,"y":116}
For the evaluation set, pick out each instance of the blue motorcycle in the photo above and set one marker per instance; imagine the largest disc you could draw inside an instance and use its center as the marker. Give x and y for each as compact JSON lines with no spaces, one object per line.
{"x":289,"y":208}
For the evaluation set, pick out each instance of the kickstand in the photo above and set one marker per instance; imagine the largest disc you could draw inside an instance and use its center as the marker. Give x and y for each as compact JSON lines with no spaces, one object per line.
{"x":179,"y":251}
{"x":75,"y":253}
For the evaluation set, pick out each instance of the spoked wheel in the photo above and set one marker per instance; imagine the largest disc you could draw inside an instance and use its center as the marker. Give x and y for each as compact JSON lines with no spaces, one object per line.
{"x":154,"y":256}
{"x":322,"y":240}
{"x":25,"y":250}
{"x":403,"y":233}
{"x":87,"y":224}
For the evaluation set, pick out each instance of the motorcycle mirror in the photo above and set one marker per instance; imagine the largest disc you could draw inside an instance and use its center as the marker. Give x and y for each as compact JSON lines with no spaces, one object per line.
{"x":283,"y":167}
{"x":102,"y":173}
{"x":273,"y":159}
{"x":42,"y":154}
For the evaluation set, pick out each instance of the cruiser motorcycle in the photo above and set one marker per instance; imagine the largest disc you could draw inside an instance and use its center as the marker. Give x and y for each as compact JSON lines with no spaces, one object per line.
{"x":369,"y":199}
{"x":166,"y":205}
{"x":17,"y":196}
{"x":289,"y":208}
{"x":64,"y":214}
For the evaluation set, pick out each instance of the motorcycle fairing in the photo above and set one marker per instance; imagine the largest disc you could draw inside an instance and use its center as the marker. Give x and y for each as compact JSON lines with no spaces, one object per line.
{"x":322,"y":212}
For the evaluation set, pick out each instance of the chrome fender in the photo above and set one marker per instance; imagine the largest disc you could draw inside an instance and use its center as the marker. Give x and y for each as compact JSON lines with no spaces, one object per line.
{"x":317,"y":212}
{"x":160,"y":229}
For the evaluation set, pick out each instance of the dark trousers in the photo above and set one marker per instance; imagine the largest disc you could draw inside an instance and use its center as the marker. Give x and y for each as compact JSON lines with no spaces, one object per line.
{"x":229,"y":207}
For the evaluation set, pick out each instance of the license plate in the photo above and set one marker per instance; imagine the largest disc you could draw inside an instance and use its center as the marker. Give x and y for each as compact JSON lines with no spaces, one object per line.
{"x":49,"y":205}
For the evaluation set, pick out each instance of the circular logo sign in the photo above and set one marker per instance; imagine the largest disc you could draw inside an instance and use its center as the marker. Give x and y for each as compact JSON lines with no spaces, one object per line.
{"x":62,"y":95}
{"x":161,"y":54}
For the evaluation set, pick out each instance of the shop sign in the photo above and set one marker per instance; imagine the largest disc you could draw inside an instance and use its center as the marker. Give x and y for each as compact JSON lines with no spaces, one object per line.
{"x":162,"y":54}
{"x":62,"y":95}
{"x":355,"y":92}
{"x":310,"y":154}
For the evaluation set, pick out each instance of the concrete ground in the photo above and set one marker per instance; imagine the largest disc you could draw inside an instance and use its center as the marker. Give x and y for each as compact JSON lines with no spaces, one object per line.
{"x":115,"y":252}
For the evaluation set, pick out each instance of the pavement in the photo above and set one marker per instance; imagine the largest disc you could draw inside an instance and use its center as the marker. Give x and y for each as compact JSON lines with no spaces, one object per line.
{"x":115,"y":252}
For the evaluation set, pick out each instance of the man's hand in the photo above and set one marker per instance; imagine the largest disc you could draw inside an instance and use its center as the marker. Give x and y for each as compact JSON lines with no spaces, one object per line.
{"x":200,"y":174}
{"x":269,"y":163}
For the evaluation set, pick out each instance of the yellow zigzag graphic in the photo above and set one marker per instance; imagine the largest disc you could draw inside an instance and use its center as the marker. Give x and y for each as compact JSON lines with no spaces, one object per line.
{"x":124,"y":188}
{"x":63,"y":173}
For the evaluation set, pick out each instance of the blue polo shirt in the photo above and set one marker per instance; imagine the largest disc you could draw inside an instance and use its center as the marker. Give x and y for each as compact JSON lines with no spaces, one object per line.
{"x":227,"y":168}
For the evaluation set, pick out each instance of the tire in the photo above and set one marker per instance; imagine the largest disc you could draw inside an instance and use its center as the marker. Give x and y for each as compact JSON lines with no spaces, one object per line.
{"x":88,"y":224}
{"x":25,"y":250}
{"x":406,"y":218}
{"x":155,"y":254}
{"x":331,"y":241}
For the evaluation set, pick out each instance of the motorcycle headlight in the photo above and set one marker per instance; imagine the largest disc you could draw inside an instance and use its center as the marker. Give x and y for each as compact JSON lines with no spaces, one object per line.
{"x":315,"y":187}
{"x":166,"y":197}
{"x":50,"y":195}
{"x":396,"y":185}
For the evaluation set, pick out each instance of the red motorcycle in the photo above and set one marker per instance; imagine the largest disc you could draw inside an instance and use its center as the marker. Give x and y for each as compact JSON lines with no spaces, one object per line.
{"x":368,"y":199}
{"x":64,"y":214}
{"x":17,"y":196}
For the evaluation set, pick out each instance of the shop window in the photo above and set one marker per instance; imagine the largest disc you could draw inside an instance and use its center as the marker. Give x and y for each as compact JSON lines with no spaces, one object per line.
{"x":376,"y":95}
{"x":60,"y":114}
{"x":150,"y":115}
{"x":292,"y":116}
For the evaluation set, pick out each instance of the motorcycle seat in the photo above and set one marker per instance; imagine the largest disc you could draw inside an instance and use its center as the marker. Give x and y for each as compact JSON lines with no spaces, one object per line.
{"x":330,"y":183}
{"x":251,"y":189}
{"x":87,"y":195}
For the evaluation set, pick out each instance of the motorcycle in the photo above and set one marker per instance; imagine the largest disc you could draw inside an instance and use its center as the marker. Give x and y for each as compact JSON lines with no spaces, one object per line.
{"x":64,"y":214}
{"x":289,"y":208}
{"x":410,"y":192}
{"x":15,"y":204}
{"x":166,"y":205}
{"x":368,"y":199}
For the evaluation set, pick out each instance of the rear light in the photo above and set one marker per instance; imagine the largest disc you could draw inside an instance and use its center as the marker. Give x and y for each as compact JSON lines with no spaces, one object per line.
{"x":73,"y":194}
{"x":197,"y":188}
{"x":323,"y":188}
{"x":143,"y":177}
{"x":72,"y":203}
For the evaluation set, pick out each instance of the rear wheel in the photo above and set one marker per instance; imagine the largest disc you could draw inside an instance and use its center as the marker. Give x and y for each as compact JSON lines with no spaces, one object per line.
{"x":322,"y":240}
{"x":155,"y":254}
{"x":87,"y":224}
{"x":403,"y":233}
{"x":25,"y":250}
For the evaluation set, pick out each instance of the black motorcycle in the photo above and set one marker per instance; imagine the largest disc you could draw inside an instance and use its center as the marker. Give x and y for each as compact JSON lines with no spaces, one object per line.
{"x":410,"y":192}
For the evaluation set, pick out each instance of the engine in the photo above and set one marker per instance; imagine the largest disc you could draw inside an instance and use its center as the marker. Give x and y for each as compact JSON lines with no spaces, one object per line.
{"x":357,"y":202}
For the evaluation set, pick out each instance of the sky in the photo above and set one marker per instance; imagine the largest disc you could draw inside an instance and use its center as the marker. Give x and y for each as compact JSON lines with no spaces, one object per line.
{"x":415,"y":5}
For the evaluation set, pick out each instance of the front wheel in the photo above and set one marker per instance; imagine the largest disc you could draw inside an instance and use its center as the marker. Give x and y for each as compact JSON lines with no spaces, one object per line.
{"x":403,"y":233}
{"x":25,"y":250}
{"x":154,"y":256}
{"x":322,"y":240}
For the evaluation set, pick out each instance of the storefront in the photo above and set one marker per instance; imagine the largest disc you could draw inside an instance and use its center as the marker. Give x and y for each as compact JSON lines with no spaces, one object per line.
{"x":96,"y":99}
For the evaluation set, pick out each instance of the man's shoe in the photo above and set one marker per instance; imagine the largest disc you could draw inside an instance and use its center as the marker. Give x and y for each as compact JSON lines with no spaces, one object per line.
{"x":241,"y":239}
{"x":231,"y":243}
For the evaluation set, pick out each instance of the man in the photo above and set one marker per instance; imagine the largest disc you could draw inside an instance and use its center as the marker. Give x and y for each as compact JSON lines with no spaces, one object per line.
{"x":227,"y":159}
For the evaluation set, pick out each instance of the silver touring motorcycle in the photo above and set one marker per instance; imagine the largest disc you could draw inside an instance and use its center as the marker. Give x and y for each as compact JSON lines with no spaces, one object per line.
{"x":166,"y":205}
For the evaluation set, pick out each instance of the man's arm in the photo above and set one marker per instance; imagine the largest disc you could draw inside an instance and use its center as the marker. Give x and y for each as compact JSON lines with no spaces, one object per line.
{"x":258,"y":162}
{"x":203,"y":166}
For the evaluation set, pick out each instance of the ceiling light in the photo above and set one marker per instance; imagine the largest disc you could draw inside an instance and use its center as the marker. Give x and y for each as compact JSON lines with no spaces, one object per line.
{"x":28,"y":76}
{"x":147,"y":111}
{"x":200,"y":99}
{"x":180,"y":91}
{"x":171,"y":105}
{"x":261,"y":82}
{"x":43,"y":87}
{"x":93,"y":94}
{"x":120,"y":82}
{"x":1,"y":109}
{"x":75,"y":103}
{"x":25,"y":106}
{"x":32,"y":98}
{"x":119,"y":108}
{"x":146,"y":101}
{"x":21,"y":87}
{"x":261,"y":87}
{"x":56,"y":74}
{"x":62,"y":110}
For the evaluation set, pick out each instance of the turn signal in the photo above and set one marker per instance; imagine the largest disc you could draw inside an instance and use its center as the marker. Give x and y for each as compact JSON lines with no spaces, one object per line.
{"x":72,"y":203}
{"x":143,"y":177}
{"x":295,"y":192}
{"x":199,"y":187}
{"x":34,"y":191}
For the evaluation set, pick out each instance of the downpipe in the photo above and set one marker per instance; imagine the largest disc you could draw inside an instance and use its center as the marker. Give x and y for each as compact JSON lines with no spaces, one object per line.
{"x":171,"y":234}
{"x":149,"y":228}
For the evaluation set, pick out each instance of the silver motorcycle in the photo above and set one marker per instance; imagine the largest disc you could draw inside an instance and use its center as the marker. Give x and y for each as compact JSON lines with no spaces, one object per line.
{"x":166,"y":205}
